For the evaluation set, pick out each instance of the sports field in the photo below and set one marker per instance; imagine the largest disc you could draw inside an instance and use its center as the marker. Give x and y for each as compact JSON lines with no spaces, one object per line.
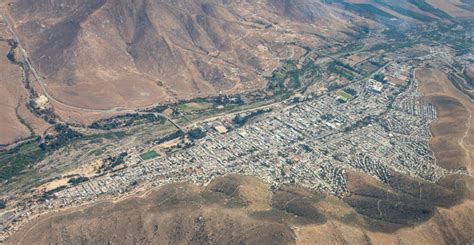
{"x":344,"y":95}
{"x":193,"y":106}
{"x":149,"y":155}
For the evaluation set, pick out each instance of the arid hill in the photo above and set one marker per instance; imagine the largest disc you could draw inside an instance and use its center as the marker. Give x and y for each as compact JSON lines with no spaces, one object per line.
{"x":104,"y":54}
{"x":99,"y":55}
{"x":242,"y":210}
{"x":108,"y":54}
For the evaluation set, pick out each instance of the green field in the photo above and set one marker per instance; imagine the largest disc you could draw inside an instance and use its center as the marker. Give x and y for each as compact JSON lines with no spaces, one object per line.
{"x":15,"y":161}
{"x":280,"y":75}
{"x":344,"y":95}
{"x":194,"y":106}
{"x":149,"y":155}
{"x":342,"y":69}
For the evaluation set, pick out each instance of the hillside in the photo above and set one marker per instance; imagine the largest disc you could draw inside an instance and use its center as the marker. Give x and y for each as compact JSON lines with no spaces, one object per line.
{"x":103,"y":54}
{"x":242,"y":210}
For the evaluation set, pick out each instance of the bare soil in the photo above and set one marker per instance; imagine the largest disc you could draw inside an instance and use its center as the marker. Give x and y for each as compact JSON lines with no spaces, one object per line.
{"x":99,"y":55}
{"x":175,"y":214}
{"x":11,"y":92}
{"x":241,"y":209}
{"x":453,"y":131}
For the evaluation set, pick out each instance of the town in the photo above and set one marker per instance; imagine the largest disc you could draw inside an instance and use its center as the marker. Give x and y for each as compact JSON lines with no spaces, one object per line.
{"x":357,"y":110}
{"x":371,"y":125}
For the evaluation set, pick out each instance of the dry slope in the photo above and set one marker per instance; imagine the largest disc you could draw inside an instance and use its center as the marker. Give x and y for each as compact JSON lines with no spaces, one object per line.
{"x":240,"y":210}
{"x":104,"y":53}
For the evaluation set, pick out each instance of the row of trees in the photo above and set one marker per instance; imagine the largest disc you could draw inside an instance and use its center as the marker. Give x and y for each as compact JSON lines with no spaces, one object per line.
{"x":126,"y":120}
{"x":241,"y":119}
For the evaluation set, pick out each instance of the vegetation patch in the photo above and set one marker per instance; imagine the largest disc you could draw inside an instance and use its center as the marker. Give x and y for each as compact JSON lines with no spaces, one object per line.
{"x":14,"y":161}
{"x":127,"y":120}
{"x":149,"y":155}
{"x":242,"y":118}
{"x":342,"y":69}
{"x":292,"y":77}
{"x":194,"y":106}
{"x":344,"y":95}
{"x":197,"y":133}
{"x":279,"y":75}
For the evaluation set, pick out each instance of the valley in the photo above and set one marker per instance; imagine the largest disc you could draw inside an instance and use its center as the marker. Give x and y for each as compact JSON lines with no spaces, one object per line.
{"x":329,"y":120}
